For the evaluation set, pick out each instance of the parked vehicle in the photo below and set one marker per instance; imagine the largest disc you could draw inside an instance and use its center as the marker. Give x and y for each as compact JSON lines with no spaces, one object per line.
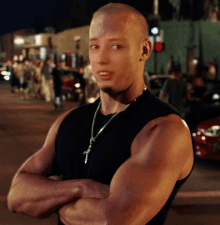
{"x":71,"y":85}
{"x":212,"y":96}
{"x":4,"y":74}
{"x":206,"y":138}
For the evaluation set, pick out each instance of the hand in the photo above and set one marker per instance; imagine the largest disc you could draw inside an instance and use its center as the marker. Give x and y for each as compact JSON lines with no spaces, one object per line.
{"x":93,"y":189}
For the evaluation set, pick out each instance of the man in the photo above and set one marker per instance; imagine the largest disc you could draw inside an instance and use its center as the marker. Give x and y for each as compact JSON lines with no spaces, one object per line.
{"x":46,"y":72}
{"x":25,"y":75}
{"x":174,"y":91}
{"x":91,"y":88}
{"x":170,"y":65}
{"x":138,"y":160}
{"x":57,"y":81}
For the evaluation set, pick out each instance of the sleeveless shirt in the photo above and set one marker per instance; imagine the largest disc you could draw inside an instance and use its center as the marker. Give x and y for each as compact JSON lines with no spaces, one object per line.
{"x":112,"y":147}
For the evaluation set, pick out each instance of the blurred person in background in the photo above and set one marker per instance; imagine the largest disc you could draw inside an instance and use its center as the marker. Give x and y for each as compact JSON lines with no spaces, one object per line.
{"x":196,"y":94}
{"x":58,"y":85}
{"x":211,"y":73}
{"x":31,"y":84}
{"x":170,"y":65}
{"x":80,"y":78}
{"x":47,"y":80}
{"x":174,"y":91}
{"x":15,"y":82}
{"x":91,"y":88}
{"x":25,"y":77}
{"x":215,"y":60}
{"x":18,"y":73}
{"x":52,"y":64}
{"x":10,"y":69}
{"x":37,"y":78}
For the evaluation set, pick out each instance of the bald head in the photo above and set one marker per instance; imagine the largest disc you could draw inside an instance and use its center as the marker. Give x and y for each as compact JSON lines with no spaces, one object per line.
{"x":130,"y":16}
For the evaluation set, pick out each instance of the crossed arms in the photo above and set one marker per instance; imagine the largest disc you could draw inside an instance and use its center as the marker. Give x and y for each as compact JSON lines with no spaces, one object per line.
{"x":138,"y":190}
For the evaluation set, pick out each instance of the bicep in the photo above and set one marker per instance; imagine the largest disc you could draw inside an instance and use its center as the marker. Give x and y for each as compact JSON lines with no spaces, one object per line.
{"x":143,"y":184}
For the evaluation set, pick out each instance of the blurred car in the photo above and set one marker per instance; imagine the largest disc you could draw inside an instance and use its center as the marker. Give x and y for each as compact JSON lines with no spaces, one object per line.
{"x":212,"y":96}
{"x":71,"y":85}
{"x":4,"y":74}
{"x":206,"y":138}
{"x":157,"y":82}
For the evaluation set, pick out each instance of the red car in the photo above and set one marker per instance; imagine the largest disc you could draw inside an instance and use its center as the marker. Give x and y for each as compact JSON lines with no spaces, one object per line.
{"x":207,"y":139}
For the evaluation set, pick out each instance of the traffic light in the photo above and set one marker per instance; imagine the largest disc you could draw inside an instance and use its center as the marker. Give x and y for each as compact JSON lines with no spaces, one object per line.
{"x":160,"y":46}
{"x":154,"y":27}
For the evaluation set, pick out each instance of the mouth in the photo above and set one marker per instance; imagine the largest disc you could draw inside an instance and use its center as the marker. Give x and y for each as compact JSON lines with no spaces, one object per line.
{"x":105,"y":75}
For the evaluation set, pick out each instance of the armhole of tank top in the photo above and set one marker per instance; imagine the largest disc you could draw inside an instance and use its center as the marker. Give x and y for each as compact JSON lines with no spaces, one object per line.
{"x":59,"y":128}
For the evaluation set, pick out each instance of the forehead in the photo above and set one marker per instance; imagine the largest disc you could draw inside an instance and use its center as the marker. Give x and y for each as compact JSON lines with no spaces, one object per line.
{"x":116,"y":24}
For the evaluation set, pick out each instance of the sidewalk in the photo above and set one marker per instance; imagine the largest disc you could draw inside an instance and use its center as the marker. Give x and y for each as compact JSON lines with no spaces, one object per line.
{"x":23,"y":127}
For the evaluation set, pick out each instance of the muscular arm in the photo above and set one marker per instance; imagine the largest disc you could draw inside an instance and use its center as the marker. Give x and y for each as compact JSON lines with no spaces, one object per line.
{"x":143,"y":184}
{"x":33,"y":193}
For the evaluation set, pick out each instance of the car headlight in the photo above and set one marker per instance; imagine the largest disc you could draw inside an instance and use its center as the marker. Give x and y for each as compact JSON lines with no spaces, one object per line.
{"x":6,"y":73}
{"x":213,"y":131}
{"x":77,"y":85}
{"x":215,"y":96}
{"x":7,"y":77}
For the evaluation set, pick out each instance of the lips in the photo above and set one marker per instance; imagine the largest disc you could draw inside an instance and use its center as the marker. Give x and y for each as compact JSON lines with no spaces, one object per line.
{"x":104,"y":72}
{"x":105,"y":75}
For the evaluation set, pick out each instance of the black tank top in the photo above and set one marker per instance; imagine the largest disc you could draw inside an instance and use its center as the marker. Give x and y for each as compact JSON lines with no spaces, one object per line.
{"x":112,"y":147}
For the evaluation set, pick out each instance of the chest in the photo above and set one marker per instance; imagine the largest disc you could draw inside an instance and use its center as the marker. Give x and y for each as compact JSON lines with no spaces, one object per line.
{"x":110,"y":149}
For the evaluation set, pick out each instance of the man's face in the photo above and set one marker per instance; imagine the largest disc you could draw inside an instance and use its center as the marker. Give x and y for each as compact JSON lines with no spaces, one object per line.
{"x":114,"y":52}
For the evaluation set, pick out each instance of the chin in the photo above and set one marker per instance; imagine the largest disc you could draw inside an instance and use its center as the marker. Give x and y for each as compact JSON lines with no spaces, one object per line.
{"x":107,"y":89}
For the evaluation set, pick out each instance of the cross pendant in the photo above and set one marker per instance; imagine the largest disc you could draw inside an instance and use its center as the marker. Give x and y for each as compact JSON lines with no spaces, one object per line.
{"x":88,"y":151}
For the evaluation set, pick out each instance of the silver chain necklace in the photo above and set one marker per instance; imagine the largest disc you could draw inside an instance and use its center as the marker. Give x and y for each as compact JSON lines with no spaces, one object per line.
{"x":92,"y":139}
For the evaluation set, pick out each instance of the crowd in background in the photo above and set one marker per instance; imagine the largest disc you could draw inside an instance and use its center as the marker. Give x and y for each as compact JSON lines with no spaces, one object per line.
{"x":186,"y":92}
{"x":42,"y":79}
{"x":36,"y":78}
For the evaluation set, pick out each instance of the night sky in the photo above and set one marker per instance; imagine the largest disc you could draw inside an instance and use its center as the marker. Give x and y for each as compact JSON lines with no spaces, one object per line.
{"x":60,"y":14}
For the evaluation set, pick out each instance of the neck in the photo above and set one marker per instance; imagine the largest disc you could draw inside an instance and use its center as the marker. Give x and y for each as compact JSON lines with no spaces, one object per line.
{"x":113,"y":103}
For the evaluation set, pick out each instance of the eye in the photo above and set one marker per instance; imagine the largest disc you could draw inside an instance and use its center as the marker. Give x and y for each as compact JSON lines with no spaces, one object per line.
{"x":116,"y":47}
{"x":93,"y":46}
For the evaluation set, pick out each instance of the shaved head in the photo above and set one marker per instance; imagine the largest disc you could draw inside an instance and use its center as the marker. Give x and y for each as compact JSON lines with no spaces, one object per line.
{"x":131,"y":16}
{"x":119,"y":44}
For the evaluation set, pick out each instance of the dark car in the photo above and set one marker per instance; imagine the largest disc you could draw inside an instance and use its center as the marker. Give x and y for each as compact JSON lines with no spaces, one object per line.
{"x":212,"y":96}
{"x":72,"y":86}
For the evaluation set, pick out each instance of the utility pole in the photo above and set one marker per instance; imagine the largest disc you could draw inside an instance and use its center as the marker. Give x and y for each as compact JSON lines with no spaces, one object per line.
{"x":156,"y":6}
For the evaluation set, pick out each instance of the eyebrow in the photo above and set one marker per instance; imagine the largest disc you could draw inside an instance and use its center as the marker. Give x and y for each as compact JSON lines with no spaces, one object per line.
{"x":112,"y":39}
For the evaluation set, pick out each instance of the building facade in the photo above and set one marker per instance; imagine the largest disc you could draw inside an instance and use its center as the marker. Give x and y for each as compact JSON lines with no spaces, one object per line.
{"x":7,"y":50}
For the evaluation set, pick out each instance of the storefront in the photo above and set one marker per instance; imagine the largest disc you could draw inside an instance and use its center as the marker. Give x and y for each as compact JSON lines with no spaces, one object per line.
{"x":38,"y":46}
{"x":72,"y":45}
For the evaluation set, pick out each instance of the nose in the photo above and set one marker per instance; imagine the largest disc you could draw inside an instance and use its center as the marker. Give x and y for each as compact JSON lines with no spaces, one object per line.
{"x":102,"y":56}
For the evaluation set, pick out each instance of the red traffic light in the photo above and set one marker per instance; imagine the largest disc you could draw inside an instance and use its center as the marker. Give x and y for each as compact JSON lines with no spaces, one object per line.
{"x":159,"y":46}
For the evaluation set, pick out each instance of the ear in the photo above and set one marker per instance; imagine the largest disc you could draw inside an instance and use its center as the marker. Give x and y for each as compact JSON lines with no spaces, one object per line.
{"x":146,"y":49}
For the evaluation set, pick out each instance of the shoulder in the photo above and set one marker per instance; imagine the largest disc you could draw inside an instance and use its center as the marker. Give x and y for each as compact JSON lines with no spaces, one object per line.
{"x":166,"y":131}
{"x":166,"y":142}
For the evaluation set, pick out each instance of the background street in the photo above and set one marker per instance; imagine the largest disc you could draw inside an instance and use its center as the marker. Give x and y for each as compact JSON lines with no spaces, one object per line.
{"x":23,"y":127}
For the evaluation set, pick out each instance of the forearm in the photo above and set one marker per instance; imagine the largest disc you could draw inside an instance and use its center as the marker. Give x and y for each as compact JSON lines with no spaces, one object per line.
{"x":40,"y":196}
{"x":86,"y":211}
